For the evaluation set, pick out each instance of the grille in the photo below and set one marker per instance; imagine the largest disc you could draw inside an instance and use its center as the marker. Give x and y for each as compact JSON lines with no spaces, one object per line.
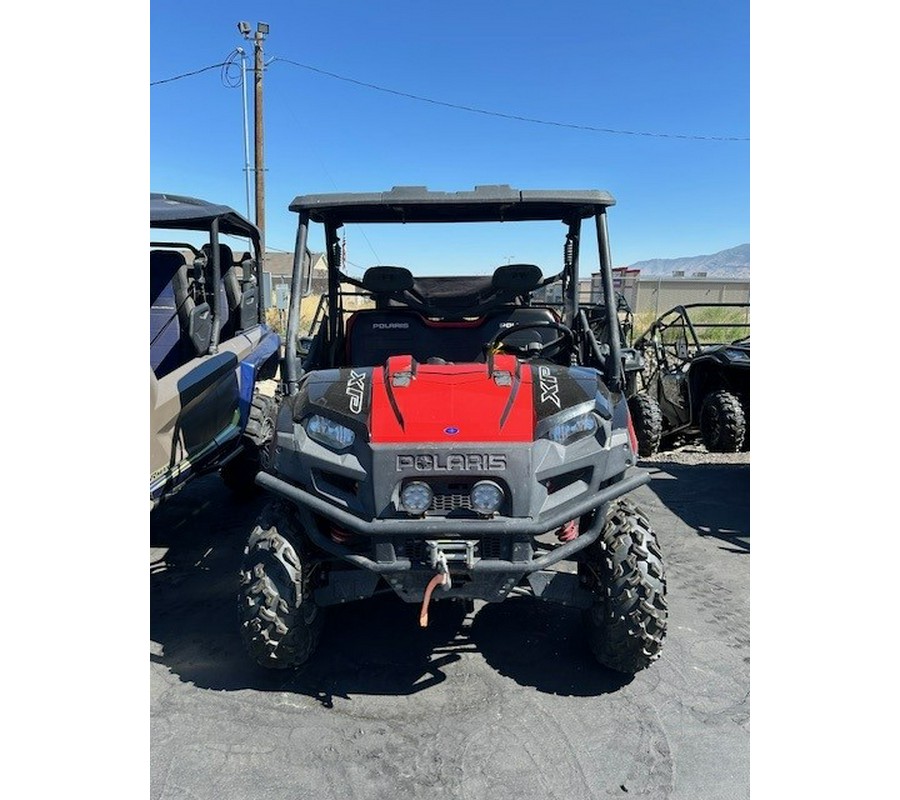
{"x":416,"y":551}
{"x":444,"y":503}
{"x":491,"y":547}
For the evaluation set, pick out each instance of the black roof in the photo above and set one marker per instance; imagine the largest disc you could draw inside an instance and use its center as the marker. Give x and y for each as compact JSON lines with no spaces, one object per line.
{"x":189,"y":213}
{"x":485,"y":204}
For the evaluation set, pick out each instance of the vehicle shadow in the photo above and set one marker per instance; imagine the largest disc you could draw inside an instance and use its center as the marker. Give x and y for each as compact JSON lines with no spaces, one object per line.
{"x":713,"y":499}
{"x":372,"y":647}
{"x":542,"y":645}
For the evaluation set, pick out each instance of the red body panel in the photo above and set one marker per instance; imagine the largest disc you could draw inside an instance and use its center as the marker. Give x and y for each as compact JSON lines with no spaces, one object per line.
{"x":450,"y":403}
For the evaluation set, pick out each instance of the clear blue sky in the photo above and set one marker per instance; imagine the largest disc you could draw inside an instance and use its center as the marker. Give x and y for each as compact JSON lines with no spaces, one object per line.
{"x":680,"y":69}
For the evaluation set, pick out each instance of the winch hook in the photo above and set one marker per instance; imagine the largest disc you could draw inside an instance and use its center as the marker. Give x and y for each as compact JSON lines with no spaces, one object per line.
{"x":440,"y":578}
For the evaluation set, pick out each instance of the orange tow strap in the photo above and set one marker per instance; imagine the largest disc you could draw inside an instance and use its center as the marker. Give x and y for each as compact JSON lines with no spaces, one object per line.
{"x":436,"y":581}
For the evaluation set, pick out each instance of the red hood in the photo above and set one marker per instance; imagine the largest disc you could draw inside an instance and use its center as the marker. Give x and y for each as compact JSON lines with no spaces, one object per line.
{"x":450,"y":403}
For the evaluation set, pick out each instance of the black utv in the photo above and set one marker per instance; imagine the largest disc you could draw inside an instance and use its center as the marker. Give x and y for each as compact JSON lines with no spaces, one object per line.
{"x":646,"y":416}
{"x":448,"y":437}
{"x":697,"y":374}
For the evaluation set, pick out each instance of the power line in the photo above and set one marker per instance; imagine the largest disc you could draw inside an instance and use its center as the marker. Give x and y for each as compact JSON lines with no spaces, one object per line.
{"x":311,"y":148}
{"x":189,"y":74}
{"x":471,"y":109}
{"x":502,"y":115}
{"x":353,"y":264}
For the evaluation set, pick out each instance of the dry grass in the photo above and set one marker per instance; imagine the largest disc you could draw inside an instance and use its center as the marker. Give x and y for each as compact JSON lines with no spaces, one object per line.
{"x":739,"y":318}
{"x":277,"y":319}
{"x":642,"y":320}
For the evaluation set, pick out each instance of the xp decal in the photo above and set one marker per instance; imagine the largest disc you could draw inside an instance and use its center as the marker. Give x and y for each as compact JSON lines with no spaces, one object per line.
{"x":356,"y":389}
{"x":549,"y":386}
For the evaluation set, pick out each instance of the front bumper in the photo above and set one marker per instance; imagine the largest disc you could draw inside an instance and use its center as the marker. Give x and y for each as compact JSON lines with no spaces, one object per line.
{"x":381,"y":530}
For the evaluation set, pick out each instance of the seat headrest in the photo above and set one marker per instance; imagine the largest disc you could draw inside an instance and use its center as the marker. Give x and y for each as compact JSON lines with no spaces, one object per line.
{"x":226,"y":257}
{"x":516,"y":278}
{"x":387,"y":279}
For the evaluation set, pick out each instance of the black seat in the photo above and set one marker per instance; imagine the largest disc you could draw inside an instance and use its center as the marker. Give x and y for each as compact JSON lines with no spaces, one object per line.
{"x":180,"y":321}
{"x":231,"y":283}
{"x":166,"y":340}
{"x":373,"y":335}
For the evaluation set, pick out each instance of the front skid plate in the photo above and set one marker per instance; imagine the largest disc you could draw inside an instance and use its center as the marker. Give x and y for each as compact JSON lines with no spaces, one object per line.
{"x":564,"y":588}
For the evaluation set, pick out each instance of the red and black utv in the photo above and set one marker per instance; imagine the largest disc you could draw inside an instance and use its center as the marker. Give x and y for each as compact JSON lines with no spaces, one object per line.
{"x":454,"y":439}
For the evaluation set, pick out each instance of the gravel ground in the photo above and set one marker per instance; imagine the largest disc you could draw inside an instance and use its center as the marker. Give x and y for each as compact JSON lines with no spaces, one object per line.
{"x":505,"y":702}
{"x":694,"y":453}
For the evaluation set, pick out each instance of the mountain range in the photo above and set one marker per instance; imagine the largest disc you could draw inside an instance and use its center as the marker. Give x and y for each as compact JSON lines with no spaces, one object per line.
{"x":731,"y":263}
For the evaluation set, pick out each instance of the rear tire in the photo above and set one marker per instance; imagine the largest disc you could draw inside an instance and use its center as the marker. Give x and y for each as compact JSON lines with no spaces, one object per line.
{"x":722,"y":423}
{"x":261,"y":427}
{"x":280,"y":622}
{"x":646,"y":417}
{"x":627,"y":623}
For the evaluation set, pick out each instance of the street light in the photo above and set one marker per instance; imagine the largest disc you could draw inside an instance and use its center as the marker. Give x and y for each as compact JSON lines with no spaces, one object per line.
{"x":262,"y":30}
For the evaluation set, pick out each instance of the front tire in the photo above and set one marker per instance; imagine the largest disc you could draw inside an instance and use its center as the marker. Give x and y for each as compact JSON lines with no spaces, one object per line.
{"x":646,"y":417}
{"x":239,"y":474}
{"x":280,"y":622}
{"x":626,"y":625}
{"x":722,"y":423}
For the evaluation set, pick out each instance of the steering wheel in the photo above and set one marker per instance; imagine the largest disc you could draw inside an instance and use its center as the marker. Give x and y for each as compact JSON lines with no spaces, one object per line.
{"x":564,"y":343}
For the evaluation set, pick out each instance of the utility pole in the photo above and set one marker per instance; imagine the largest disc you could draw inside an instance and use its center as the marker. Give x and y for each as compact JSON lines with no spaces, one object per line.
{"x":262,"y":30}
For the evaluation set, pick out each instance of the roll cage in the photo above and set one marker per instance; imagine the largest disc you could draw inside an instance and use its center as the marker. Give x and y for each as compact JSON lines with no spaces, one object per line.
{"x":181,"y":213}
{"x":456,"y":298}
{"x":681,"y":334}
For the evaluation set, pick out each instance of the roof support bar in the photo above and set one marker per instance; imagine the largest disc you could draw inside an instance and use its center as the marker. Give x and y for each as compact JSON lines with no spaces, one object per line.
{"x":570,"y":283}
{"x":333,"y":249}
{"x":218,"y":310}
{"x":293,"y":329}
{"x":614,"y":359}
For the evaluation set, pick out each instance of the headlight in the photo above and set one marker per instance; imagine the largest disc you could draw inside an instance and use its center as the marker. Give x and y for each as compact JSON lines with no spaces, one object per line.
{"x":416,"y":497}
{"x":737,"y":355}
{"x":328,"y":432}
{"x":486,"y":497}
{"x":573,"y":429}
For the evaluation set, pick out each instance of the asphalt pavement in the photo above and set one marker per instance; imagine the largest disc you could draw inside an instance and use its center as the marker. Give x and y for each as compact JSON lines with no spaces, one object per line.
{"x":505,"y":702}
